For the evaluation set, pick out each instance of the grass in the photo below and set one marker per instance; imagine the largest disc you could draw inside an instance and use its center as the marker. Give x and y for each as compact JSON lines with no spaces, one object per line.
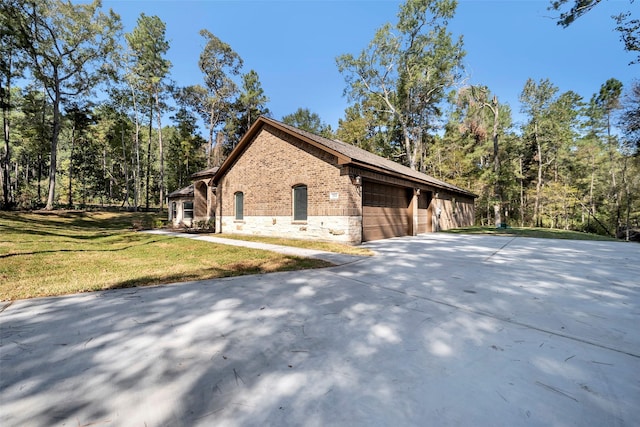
{"x":57,"y":253}
{"x":305,"y":244}
{"x":543,"y":233}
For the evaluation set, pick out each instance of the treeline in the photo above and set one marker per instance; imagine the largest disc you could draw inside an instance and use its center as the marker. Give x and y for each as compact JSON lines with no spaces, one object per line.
{"x":83,"y":106}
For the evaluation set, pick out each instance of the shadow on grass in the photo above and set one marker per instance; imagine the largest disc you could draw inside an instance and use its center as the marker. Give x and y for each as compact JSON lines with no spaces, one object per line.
{"x":242,"y":268}
{"x":54,"y":251}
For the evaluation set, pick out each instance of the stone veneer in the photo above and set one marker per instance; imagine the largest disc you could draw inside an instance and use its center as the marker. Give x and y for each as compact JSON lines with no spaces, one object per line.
{"x":342,"y":229}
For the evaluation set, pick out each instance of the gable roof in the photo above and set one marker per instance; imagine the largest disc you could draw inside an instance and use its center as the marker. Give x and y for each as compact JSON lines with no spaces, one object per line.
{"x":346,"y":154}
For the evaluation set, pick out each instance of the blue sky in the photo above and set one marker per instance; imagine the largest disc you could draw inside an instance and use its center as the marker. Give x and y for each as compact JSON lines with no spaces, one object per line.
{"x":293,"y":45}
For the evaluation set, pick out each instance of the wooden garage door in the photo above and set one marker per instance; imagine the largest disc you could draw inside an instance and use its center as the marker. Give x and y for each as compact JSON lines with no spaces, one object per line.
{"x":424,"y":213}
{"x":384,"y":211}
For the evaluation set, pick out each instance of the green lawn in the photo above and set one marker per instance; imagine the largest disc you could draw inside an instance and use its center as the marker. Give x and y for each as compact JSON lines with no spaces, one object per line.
{"x":299,"y":243}
{"x":544,"y":233}
{"x":56,"y":253}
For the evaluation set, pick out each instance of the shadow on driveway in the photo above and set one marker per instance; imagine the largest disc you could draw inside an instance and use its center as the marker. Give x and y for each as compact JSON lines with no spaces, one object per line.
{"x":438,"y":329}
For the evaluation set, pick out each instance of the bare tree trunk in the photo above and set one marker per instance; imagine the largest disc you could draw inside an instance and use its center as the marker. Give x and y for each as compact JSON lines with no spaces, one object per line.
{"x":149,"y":156}
{"x":125,"y":165}
{"x":497,"y":189}
{"x":54,"y":148}
{"x":39,"y":178}
{"x":6,"y":167}
{"x":521,"y":194}
{"x":137,"y":172}
{"x":536,"y":205}
{"x":73,"y":141}
{"x":161,"y":151}
{"x":625,"y":183}
{"x":614,"y":185}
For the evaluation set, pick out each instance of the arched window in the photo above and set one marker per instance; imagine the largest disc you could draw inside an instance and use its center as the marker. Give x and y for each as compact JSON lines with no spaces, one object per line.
{"x":239,"y":206}
{"x":300,"y":203}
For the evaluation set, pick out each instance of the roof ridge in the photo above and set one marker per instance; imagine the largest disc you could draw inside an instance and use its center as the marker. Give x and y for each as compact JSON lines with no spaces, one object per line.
{"x":356,"y":153}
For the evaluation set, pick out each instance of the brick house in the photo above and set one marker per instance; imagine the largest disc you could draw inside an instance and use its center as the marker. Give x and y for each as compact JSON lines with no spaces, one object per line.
{"x":283,"y":181}
{"x":195,"y":202}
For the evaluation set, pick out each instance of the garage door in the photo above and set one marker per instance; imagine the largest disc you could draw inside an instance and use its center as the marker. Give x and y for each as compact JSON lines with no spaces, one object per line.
{"x":384,"y":211}
{"x":424,"y":213}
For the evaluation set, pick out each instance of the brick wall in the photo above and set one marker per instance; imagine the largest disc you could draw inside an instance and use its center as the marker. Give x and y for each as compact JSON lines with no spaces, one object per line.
{"x":204,"y":200}
{"x":271,"y":165}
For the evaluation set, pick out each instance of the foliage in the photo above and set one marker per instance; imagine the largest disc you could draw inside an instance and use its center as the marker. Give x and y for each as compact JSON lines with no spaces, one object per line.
{"x":630,"y":119}
{"x":628,"y":28}
{"x":304,"y":119}
{"x":219,"y":63}
{"x":65,"y":45}
{"x":250,"y":104}
{"x":186,"y":150}
{"x":571,"y":164}
{"x":148,"y":47}
{"x":406,"y":70}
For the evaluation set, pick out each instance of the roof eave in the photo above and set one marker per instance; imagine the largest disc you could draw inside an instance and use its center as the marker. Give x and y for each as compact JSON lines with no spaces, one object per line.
{"x":412,"y":178}
{"x":253,"y":131}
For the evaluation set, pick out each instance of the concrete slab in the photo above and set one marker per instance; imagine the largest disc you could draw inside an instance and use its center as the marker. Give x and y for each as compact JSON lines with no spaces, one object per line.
{"x":434,"y":330}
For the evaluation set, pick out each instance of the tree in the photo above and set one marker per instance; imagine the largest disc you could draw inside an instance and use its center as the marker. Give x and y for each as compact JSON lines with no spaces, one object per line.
{"x":34,"y":125}
{"x":536,"y":101}
{"x":628,"y":28}
{"x":11,"y":66}
{"x":304,"y":119}
{"x":79,"y":118}
{"x":66,"y":45}
{"x":476,"y":99}
{"x":186,"y":150}
{"x":630,"y":126}
{"x":112,"y":132}
{"x":148,"y":46}
{"x":630,"y":118}
{"x":608,"y":100}
{"x":250,"y":104}
{"x":408,"y":68}
{"x":364,"y":127}
{"x":219,"y":63}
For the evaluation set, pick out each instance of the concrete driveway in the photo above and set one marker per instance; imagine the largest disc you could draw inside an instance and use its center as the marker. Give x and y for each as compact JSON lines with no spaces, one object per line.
{"x":440,"y":330}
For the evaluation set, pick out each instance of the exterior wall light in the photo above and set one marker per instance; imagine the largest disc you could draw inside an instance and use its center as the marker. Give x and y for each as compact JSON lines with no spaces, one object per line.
{"x":356,"y":180}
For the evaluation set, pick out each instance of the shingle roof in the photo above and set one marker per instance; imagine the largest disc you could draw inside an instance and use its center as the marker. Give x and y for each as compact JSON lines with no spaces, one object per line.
{"x":362,"y":157}
{"x":205,"y":173}
{"x":183,"y":192}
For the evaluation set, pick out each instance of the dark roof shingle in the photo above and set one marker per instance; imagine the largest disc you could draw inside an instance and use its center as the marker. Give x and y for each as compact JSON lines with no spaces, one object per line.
{"x":358,"y":155}
{"x":183,"y":192}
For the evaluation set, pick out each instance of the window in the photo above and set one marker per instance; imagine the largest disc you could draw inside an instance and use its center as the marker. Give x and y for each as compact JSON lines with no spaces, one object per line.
{"x":300,"y":203}
{"x":239,"y":206}
{"x":174,"y":210}
{"x":187,"y":210}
